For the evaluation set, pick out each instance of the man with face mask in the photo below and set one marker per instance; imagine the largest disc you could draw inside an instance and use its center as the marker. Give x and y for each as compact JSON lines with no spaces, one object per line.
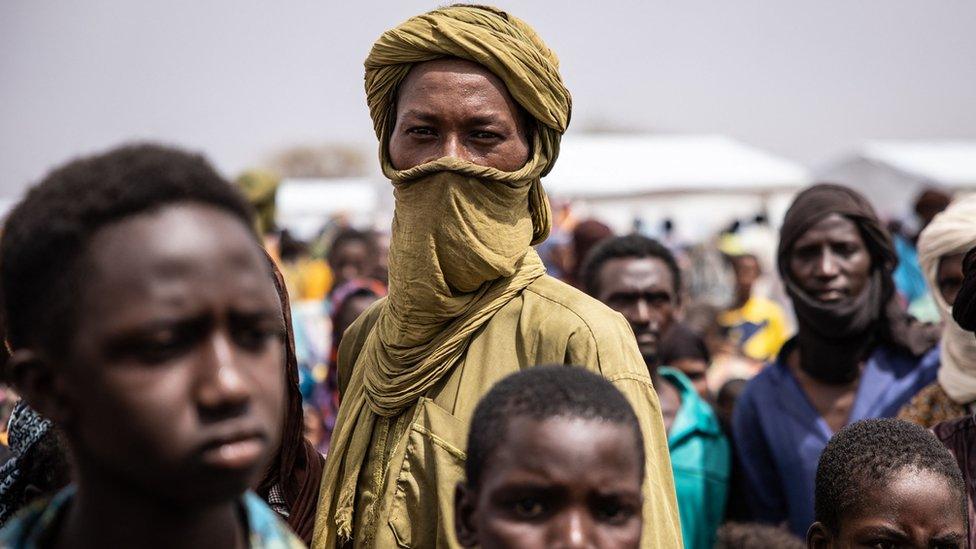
{"x":941,"y":247}
{"x":850,"y":359}
{"x":469,"y":108}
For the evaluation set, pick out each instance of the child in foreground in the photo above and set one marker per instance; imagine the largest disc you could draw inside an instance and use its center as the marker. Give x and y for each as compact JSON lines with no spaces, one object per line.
{"x":555,"y":458}
{"x":144,"y":321}
{"x":888,"y":483}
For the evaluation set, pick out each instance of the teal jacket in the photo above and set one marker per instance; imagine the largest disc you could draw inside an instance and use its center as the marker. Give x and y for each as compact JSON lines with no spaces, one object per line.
{"x":701,"y":461}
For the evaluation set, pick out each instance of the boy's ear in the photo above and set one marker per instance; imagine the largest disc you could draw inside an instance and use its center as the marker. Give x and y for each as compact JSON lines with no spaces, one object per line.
{"x":464,"y":514}
{"x":818,"y":537}
{"x":39,"y":385}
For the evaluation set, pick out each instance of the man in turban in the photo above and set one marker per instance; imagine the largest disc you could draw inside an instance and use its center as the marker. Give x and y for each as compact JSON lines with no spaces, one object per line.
{"x":850,"y":359}
{"x":469,"y":108}
{"x":941,"y":247}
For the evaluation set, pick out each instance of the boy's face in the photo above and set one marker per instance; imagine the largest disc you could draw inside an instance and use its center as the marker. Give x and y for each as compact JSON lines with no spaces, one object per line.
{"x":174,"y":385}
{"x":560,"y":482}
{"x":915,"y":509}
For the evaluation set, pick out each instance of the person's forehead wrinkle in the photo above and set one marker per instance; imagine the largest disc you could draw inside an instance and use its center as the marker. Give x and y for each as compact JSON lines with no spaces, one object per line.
{"x":470,"y":90}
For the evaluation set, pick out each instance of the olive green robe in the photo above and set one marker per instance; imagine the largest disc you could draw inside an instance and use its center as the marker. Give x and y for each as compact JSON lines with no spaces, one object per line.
{"x":548,"y":323}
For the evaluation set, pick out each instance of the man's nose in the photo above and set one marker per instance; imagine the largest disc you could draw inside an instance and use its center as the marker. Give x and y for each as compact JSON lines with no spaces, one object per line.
{"x":827,"y":265}
{"x":643,"y":313}
{"x":221,"y":389}
{"x":454,"y":147}
{"x":574,"y":531}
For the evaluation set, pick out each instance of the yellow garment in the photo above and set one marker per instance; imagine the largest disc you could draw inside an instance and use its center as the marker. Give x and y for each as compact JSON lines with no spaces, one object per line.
{"x":423,"y":455}
{"x":758,"y":328}
{"x":459,"y":257}
{"x":307,"y":279}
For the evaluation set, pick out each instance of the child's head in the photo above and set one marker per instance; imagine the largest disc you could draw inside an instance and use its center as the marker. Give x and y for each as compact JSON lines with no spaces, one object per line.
{"x":754,"y":535}
{"x":888,"y":483}
{"x":555,"y":453}
{"x":144,"y":320}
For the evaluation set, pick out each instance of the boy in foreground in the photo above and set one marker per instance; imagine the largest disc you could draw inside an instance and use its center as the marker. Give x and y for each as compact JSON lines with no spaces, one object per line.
{"x":555,"y":459}
{"x":143,"y":320}
{"x":888,"y":483}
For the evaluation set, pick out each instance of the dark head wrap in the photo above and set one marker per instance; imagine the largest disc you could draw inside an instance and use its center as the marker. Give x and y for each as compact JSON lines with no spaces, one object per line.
{"x":297,"y":469}
{"x":964,"y":308}
{"x":829,"y":330}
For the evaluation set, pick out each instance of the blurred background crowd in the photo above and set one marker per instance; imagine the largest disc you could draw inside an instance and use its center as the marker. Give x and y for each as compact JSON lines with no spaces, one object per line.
{"x":694,"y":124}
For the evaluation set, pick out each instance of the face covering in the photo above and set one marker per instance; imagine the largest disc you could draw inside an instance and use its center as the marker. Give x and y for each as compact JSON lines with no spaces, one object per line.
{"x":834,"y":337}
{"x":459,"y":248}
{"x":951,"y":232}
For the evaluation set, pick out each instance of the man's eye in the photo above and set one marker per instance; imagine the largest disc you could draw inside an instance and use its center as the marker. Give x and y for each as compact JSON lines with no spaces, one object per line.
{"x":806,"y":253}
{"x":254,"y":339}
{"x":485,"y":135}
{"x":159,"y":349}
{"x":529,"y":508}
{"x":421,"y":131}
{"x":883,"y":544}
{"x":614,"y":513}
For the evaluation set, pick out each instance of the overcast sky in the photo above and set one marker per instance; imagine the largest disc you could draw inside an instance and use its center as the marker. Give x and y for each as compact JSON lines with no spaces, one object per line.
{"x":240,"y":79}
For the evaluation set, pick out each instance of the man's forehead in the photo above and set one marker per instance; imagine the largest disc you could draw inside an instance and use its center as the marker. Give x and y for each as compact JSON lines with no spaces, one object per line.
{"x":173,"y":244}
{"x":446,"y":72}
{"x":644,"y":270}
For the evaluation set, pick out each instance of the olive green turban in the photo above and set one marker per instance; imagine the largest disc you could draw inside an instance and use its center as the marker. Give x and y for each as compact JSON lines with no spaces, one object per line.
{"x":503,"y":44}
{"x":447,"y":278}
{"x":260,"y":188}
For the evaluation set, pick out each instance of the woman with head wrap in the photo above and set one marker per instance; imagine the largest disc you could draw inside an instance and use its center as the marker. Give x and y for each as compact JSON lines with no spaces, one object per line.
{"x":851,"y":358}
{"x":291,"y":486}
{"x":941,"y":247}
{"x":469,"y":109}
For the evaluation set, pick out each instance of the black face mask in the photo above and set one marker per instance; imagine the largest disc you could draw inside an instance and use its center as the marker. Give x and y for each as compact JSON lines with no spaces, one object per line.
{"x":835,"y":337}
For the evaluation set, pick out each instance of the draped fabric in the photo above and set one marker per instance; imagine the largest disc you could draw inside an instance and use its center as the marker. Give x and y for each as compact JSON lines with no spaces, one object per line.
{"x":503,"y":44}
{"x":828,"y":330}
{"x":964,"y":308}
{"x":461,"y":236}
{"x":297,"y":469}
{"x":951,"y":232}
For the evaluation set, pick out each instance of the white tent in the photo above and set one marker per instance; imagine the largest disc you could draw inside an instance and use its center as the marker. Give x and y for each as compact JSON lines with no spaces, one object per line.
{"x":891,"y":173}
{"x":305,"y":205}
{"x":700,"y":182}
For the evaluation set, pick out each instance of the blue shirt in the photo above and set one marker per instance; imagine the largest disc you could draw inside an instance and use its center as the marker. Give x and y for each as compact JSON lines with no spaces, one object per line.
{"x":700,"y":461}
{"x":34,"y":525}
{"x":779,"y":436}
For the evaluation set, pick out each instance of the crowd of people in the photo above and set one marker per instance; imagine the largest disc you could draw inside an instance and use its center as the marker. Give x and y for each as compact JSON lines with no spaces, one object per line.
{"x":182,"y":373}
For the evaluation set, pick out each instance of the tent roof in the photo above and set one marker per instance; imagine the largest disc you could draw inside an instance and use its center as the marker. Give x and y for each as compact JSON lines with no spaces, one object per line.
{"x":619,"y":165}
{"x":951,"y":163}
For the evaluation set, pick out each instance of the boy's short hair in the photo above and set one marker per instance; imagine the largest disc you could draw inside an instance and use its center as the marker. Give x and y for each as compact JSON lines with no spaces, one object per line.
{"x":47,"y":233}
{"x":632,"y":246}
{"x":869,"y":453}
{"x":541,"y":393}
{"x":752,"y":535}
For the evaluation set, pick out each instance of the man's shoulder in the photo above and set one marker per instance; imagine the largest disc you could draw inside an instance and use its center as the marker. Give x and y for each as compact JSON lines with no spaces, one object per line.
{"x":903,"y":365}
{"x":35,"y":522}
{"x":567,"y":304}
{"x":766,"y":383}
